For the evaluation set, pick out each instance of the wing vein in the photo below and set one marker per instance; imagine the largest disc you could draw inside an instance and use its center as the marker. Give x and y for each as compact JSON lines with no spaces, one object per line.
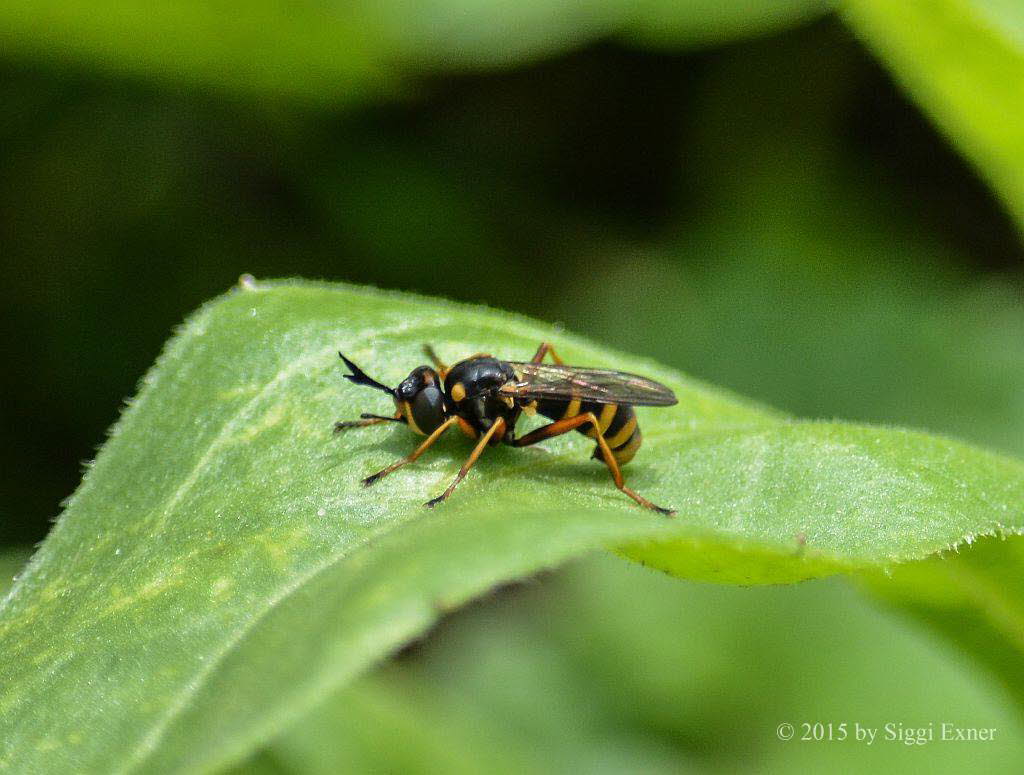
{"x":605,"y":386}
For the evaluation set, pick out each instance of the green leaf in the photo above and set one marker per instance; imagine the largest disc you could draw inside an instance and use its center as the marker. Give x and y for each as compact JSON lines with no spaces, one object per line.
{"x":710,"y":22}
{"x":378,"y":726}
{"x":306,"y":51}
{"x":608,"y":667}
{"x":220,"y":571}
{"x":963,"y":61}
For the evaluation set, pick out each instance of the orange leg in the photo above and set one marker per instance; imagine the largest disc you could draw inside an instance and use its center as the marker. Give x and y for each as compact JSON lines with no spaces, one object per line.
{"x":367,"y":419}
{"x":559,"y":427}
{"x":415,"y":454}
{"x":499,"y":428}
{"x":468,"y":429}
{"x":441,"y":366}
{"x":545,"y":349}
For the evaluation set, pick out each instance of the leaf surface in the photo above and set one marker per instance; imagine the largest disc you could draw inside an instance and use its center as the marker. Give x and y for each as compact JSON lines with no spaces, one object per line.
{"x":220,"y":572}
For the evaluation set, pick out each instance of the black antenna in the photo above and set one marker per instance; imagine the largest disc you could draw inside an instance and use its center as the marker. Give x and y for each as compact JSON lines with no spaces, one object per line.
{"x":360,"y":377}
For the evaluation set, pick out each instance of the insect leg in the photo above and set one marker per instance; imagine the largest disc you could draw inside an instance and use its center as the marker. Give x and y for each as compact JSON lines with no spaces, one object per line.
{"x":559,"y":427}
{"x":468,"y":429}
{"x":497,"y":427}
{"x":441,"y":366}
{"x":366,"y":419}
{"x":545,"y":349}
{"x":413,"y":455}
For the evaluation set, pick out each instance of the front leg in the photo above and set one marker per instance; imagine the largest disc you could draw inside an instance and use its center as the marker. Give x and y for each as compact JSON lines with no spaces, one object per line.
{"x":415,"y":453}
{"x":366,"y":420}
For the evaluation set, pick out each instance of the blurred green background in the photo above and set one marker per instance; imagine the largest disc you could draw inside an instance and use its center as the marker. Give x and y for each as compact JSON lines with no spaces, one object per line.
{"x":740,"y":190}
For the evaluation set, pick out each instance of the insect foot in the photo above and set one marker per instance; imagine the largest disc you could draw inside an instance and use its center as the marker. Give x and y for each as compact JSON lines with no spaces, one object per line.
{"x":372,"y":479}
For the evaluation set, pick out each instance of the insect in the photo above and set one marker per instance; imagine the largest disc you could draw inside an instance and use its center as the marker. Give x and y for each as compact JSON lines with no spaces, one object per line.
{"x":485,"y":397}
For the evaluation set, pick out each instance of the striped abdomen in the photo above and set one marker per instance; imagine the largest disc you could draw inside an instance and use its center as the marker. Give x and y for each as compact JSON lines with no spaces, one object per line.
{"x":618,"y":424}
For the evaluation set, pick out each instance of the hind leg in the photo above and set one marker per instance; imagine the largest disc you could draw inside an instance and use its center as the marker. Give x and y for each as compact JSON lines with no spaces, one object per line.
{"x":559,"y":427}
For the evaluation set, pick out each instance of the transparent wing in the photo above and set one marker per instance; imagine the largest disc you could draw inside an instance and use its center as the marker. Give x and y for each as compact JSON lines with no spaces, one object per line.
{"x":546,"y":380}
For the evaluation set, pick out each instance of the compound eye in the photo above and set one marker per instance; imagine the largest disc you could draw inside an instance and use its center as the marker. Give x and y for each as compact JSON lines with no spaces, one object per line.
{"x":428,"y":409}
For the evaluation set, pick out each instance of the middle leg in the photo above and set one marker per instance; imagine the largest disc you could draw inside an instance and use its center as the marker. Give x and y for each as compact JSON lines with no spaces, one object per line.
{"x":441,"y":366}
{"x":546,"y":349}
{"x":499,"y":428}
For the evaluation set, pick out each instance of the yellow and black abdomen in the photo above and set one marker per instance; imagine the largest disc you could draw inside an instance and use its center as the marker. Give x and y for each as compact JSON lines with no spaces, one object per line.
{"x":617,"y":422}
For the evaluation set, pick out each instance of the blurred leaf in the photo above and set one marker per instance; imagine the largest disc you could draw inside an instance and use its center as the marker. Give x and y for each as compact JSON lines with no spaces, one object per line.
{"x":219,"y":572}
{"x":963,"y":60}
{"x":812,"y":277}
{"x":343,"y":52}
{"x":975,"y":598}
{"x":710,"y":22}
{"x":606,"y":667}
{"x":492,"y":33}
{"x":386,"y":724}
{"x":309,"y":51}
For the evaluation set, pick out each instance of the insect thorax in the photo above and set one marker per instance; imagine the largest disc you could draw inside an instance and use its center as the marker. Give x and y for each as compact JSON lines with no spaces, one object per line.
{"x":471,"y":390}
